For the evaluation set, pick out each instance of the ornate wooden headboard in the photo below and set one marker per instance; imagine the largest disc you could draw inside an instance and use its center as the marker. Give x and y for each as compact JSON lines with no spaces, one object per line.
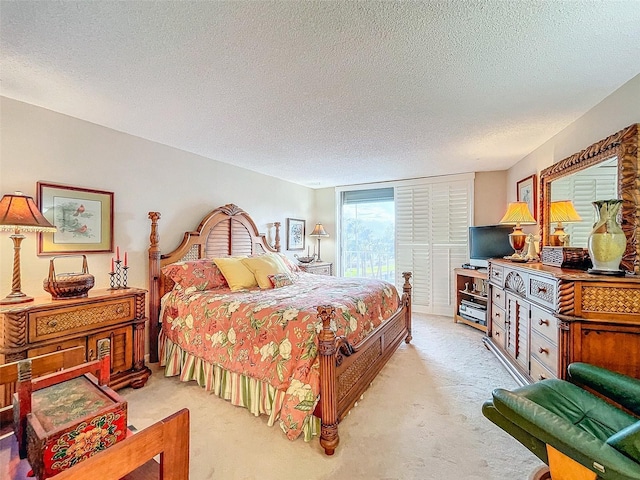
{"x":226,"y":231}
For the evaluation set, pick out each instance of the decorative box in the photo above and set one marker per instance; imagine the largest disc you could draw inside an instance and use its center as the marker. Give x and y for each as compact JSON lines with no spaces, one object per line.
{"x":69,"y":285}
{"x":70,"y":422}
{"x":566,"y":257}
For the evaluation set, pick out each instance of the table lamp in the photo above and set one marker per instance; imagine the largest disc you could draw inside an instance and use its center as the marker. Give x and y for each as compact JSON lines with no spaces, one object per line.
{"x":18,"y":213}
{"x":518,"y":214}
{"x":318,"y":232}
{"x":562,"y":211}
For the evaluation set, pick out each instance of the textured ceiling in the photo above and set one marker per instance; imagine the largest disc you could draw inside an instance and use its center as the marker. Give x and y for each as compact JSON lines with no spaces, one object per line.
{"x":325,"y":93}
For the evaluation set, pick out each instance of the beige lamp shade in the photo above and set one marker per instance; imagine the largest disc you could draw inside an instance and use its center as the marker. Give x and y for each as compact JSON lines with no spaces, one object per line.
{"x":319,"y":231}
{"x":562,"y":211}
{"x":518,"y":213}
{"x":20,"y":212}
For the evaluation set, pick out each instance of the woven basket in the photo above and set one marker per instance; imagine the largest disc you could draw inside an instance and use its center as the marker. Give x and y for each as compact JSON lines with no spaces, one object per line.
{"x":69,"y":285}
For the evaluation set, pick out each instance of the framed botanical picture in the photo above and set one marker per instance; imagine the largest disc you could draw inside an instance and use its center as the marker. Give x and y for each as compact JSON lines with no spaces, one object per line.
{"x":526,"y":189}
{"x":83,"y":217}
{"x":295,"y":234}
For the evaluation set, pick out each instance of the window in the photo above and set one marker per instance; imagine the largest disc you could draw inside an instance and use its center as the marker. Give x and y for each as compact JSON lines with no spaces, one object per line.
{"x":367,"y":234}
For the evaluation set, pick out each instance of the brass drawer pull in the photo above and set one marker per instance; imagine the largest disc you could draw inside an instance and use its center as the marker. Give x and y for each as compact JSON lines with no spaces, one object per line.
{"x":52,"y":323}
{"x":542,"y":289}
{"x":497,"y":295}
{"x":120,"y":309}
{"x":497,"y":334}
{"x":543,"y":322}
{"x":543,"y":350}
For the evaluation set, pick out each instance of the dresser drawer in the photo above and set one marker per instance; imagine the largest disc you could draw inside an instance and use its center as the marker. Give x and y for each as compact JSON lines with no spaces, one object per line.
{"x":544,"y":323}
{"x":54,"y":347}
{"x":498,"y":316}
{"x":499,"y":336}
{"x":498,"y":297}
{"x":323,"y":270}
{"x":544,"y":351}
{"x":542,"y":290}
{"x":539,"y":371}
{"x":496,"y":273}
{"x":55,"y":323}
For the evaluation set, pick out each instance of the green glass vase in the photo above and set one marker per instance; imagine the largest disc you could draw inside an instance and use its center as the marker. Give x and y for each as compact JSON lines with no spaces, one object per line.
{"x":607,"y":241}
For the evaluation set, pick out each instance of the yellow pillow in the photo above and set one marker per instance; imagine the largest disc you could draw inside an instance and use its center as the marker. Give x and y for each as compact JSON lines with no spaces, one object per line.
{"x":262,"y":267}
{"x":237,"y":274}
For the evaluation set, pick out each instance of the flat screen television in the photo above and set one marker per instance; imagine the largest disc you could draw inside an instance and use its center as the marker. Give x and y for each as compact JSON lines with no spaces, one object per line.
{"x":488,"y":241}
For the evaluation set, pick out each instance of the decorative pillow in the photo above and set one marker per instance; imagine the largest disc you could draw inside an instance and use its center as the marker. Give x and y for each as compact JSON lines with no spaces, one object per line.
{"x":263,"y":266}
{"x":287,"y":262}
{"x":202,"y":274}
{"x":280,"y":280}
{"x":627,"y":441}
{"x":237,"y":274}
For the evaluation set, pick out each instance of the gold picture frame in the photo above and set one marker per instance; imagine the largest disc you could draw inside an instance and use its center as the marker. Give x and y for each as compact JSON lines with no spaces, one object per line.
{"x":83,"y":217}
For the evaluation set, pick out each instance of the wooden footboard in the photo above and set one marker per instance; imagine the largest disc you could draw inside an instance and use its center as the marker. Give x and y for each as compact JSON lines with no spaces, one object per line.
{"x":347,"y":371}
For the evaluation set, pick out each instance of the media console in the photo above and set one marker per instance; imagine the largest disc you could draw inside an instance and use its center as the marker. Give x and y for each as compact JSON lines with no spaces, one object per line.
{"x":471,"y":297}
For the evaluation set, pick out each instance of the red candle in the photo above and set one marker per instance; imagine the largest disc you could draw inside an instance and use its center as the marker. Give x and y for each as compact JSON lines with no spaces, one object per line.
{"x":112,"y":266}
{"x":125,"y":259}
{"x":118,"y":254}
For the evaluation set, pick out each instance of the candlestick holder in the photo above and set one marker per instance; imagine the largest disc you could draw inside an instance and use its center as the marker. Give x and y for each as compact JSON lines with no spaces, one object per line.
{"x":124,"y":277}
{"x":118,"y":278}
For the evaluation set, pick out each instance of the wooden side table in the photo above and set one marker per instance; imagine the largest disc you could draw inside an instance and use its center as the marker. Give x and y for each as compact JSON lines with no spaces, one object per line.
{"x":46,"y":325}
{"x":317,"y":268}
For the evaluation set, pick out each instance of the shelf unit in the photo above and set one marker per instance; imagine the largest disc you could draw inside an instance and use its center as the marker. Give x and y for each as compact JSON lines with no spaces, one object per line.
{"x":478,"y":289}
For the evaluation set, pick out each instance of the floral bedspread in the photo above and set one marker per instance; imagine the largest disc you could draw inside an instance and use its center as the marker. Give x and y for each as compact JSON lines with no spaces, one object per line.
{"x":271,"y":335}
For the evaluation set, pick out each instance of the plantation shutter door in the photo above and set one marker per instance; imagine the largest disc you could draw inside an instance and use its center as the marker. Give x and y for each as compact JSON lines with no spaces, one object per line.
{"x":449,"y":240}
{"x":412,"y":248}
{"x":432,"y":228}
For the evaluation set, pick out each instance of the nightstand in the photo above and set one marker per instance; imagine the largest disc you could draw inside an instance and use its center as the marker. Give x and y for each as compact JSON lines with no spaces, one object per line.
{"x":318,"y":268}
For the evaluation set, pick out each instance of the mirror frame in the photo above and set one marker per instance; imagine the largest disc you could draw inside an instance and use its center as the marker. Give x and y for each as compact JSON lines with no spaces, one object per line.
{"x":624,"y":145}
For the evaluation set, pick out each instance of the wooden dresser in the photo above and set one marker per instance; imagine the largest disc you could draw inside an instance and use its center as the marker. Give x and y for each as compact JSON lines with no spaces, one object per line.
{"x":543,"y":318}
{"x":45,"y":325}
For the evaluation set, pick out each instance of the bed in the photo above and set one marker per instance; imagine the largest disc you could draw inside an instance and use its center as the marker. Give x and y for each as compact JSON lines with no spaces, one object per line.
{"x":319,"y":345}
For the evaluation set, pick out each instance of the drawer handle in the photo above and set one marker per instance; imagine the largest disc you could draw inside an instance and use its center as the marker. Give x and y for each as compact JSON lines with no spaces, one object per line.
{"x":497,"y":334}
{"x":543,"y":322}
{"x":541,"y":377}
{"x":542,"y":289}
{"x":543,"y":350}
{"x":497,"y":295}
{"x":53,"y":323}
{"x":496,"y":274}
{"x":120,"y":309}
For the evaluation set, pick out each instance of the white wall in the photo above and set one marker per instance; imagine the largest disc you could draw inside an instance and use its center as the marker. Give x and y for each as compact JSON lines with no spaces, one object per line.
{"x":617,"y":111}
{"x":489,"y":197}
{"x":41,"y":145}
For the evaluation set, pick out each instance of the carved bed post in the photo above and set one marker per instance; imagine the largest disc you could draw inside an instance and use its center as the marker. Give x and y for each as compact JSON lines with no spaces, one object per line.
{"x":329,"y":438}
{"x":277,"y":237}
{"x":154,"y":287}
{"x":406,"y":298}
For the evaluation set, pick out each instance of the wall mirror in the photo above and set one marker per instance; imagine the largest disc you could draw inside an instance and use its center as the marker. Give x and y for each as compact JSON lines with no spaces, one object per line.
{"x":606,"y":169}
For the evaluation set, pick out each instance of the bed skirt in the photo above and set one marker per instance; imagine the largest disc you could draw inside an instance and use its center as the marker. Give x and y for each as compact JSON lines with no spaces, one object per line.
{"x":258,"y":397}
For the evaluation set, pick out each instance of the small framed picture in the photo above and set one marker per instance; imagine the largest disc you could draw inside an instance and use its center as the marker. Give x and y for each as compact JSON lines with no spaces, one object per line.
{"x":83,"y":217}
{"x":295,"y":234}
{"x":526,"y":189}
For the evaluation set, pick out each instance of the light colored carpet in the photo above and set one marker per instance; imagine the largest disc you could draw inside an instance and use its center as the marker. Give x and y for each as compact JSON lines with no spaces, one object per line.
{"x":420,"y":419}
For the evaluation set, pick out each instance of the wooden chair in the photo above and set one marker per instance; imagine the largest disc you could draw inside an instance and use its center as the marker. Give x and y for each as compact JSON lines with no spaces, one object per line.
{"x":40,"y":365}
